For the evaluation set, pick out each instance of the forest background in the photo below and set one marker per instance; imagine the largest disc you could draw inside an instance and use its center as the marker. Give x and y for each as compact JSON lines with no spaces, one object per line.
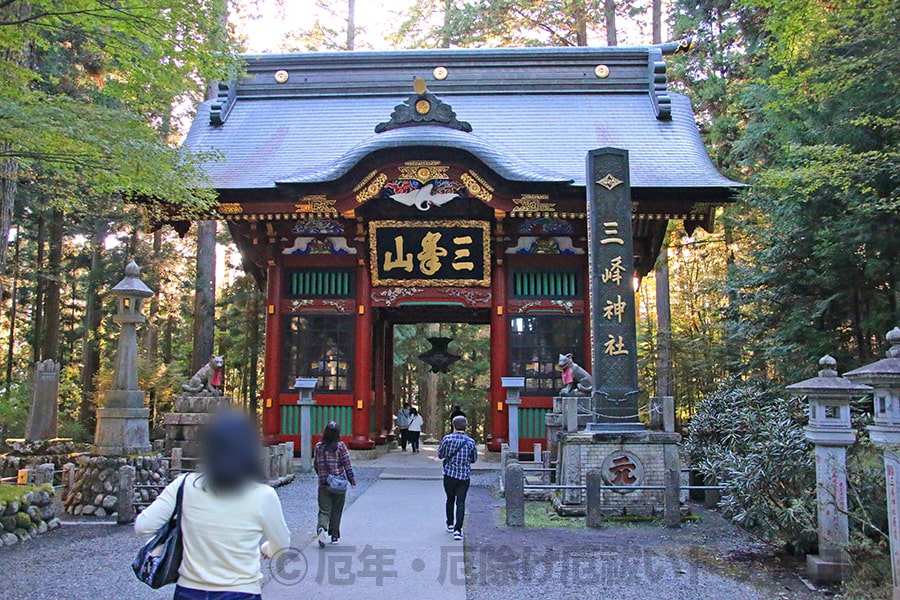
{"x":797,"y":97}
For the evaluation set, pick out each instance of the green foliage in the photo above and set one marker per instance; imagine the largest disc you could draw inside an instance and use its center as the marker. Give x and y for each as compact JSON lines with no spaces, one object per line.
{"x":87,"y":89}
{"x":14,"y":405}
{"x":746,"y":436}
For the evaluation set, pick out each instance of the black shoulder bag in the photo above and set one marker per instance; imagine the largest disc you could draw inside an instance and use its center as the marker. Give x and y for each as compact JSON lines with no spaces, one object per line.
{"x":156,"y":564}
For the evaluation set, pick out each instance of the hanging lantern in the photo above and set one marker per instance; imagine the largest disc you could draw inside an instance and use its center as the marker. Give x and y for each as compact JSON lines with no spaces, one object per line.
{"x":438,"y":357}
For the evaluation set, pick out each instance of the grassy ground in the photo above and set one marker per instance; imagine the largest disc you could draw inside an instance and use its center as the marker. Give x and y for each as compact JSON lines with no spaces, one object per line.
{"x":10,"y":491}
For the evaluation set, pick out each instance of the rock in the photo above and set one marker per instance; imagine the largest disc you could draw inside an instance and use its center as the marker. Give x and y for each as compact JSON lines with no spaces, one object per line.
{"x":32,"y":512}
{"x":41,"y":498}
{"x":11,"y":508}
{"x":8,"y":523}
{"x":53,"y":523}
{"x":48,"y":512}
{"x":42,"y":528}
{"x":9,"y":539}
{"x":98,"y":499}
{"x":32,"y":530}
{"x":100,"y":512}
{"x":2,"y":507}
{"x":88,"y":510}
{"x":97,"y":487}
{"x":22,"y":534}
{"x":25,"y":500}
{"x":77,"y":510}
{"x":22,"y":520}
{"x":109,"y":502}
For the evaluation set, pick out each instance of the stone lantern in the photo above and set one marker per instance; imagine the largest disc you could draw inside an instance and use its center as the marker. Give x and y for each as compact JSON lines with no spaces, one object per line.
{"x":831,"y":432}
{"x":122,"y":422}
{"x":884,"y":377}
{"x":513,"y":387}
{"x":305,"y":386}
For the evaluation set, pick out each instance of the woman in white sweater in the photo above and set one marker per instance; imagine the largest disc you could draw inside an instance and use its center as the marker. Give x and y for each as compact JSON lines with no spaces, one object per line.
{"x":225,"y":512}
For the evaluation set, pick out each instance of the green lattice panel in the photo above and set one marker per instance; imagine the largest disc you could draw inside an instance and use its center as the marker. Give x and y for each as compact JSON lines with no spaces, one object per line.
{"x":532,"y":424}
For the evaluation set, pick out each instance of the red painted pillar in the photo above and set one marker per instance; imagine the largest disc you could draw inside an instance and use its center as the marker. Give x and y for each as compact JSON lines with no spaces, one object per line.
{"x":272,"y":382}
{"x":499,"y":354}
{"x":362,"y":376}
{"x":388,"y":407}
{"x":379,"y":366}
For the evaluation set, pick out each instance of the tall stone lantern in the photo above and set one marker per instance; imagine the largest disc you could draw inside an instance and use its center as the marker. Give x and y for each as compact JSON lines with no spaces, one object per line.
{"x":884,"y":377}
{"x":831,"y":432}
{"x":122,"y":422}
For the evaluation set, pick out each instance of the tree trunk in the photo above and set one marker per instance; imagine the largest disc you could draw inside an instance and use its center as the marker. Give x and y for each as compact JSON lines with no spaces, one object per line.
{"x":351,"y":24}
{"x":12,"y":317}
{"x":152,"y":325}
{"x":580,"y":21}
{"x":37,"y":320}
{"x":204,"y":295}
{"x":445,"y":32}
{"x":431,"y":411}
{"x":663,"y":325}
{"x":52,"y":279}
{"x":656,"y":10}
{"x":253,"y":385}
{"x":93,"y":313}
{"x":609,"y":13}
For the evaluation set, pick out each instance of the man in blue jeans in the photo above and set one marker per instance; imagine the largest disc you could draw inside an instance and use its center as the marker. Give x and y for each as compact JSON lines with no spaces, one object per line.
{"x":458,"y":452}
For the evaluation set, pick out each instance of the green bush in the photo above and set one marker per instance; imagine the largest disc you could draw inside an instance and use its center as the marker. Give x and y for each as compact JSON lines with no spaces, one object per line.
{"x":747,"y":437}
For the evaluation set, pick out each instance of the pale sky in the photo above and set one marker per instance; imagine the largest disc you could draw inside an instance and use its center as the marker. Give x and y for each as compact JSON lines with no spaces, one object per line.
{"x":377,"y":18}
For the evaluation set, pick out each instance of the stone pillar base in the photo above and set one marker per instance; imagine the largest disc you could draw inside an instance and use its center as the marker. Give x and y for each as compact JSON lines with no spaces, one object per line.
{"x":122,"y":431}
{"x":360,"y":442}
{"x":822,"y":570}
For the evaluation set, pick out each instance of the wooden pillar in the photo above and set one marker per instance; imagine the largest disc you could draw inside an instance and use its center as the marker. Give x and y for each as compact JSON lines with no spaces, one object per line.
{"x":272,"y":384}
{"x":499,"y":354}
{"x":362,"y":375}
{"x":380,"y":392}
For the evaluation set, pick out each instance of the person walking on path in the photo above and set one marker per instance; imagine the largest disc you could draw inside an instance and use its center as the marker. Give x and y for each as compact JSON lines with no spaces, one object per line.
{"x":331,"y":461}
{"x":415,"y":429}
{"x":402,"y":418}
{"x":225,"y":511}
{"x":458,"y":452}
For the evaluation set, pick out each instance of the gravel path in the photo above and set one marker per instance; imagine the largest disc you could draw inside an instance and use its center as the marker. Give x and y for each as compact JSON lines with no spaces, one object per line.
{"x":92,"y":561}
{"x":708,"y":559}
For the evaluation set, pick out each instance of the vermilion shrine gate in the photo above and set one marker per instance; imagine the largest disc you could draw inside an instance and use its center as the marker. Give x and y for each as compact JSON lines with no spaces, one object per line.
{"x":367,"y":189}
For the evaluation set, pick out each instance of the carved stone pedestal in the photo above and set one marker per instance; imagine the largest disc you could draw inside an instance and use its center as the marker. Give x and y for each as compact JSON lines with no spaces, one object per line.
{"x":627,"y":459}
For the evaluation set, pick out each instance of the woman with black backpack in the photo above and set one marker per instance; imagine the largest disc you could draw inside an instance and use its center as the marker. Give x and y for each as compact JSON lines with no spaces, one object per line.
{"x":331,"y":461}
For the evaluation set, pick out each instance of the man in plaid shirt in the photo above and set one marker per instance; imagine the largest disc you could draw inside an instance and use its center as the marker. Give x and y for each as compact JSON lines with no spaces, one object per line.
{"x":458,"y":452}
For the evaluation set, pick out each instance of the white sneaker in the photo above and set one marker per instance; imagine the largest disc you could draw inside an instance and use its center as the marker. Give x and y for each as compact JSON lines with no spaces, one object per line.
{"x":450,"y":528}
{"x":457,"y":535}
{"x":321,"y":538}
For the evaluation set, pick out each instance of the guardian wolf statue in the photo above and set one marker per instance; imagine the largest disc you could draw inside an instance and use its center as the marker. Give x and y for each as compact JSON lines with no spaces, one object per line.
{"x":576,"y":381}
{"x":208,"y":380}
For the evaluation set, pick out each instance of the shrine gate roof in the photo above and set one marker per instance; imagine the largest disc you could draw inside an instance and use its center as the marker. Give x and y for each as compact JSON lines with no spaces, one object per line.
{"x":534,"y":114}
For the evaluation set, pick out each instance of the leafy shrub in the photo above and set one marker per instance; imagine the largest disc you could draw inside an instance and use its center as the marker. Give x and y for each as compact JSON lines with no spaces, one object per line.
{"x":748,"y":437}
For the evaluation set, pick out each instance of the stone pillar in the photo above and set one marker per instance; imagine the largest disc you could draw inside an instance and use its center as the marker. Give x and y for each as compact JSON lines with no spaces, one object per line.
{"x":43,"y":474}
{"x":570,"y":414}
{"x":611,"y":268}
{"x":125,"y":498}
{"x":122,"y":423}
{"x":515,"y":495}
{"x":42,"y":418}
{"x":884,"y":377}
{"x":513,"y":386}
{"x":306,"y":386}
{"x":830,"y":431}
{"x":594,"y":510}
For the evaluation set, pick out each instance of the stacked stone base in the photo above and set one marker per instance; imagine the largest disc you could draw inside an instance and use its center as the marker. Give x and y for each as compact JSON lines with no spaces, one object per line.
{"x":184,"y":427}
{"x":28,"y":516}
{"x":29,"y":454}
{"x":96,"y":488}
{"x":636,"y":458}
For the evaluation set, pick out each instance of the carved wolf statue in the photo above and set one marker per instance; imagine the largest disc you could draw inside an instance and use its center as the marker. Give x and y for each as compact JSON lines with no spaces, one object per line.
{"x":208,"y":380}
{"x":576,"y":381}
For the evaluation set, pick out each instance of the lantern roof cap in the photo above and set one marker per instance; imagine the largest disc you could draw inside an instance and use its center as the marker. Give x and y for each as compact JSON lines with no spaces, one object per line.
{"x":132,"y":285}
{"x":828,"y":383}
{"x":886,"y":370}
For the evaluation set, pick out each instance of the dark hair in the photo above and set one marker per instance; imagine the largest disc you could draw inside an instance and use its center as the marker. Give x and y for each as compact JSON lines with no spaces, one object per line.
{"x":231,"y":452}
{"x":413,"y":411}
{"x":331,"y":436}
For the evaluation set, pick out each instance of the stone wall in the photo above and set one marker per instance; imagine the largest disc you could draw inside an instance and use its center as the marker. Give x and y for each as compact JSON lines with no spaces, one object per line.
{"x":30,"y":454}
{"x":636,"y":458}
{"x":96,"y":488}
{"x":27,"y":514}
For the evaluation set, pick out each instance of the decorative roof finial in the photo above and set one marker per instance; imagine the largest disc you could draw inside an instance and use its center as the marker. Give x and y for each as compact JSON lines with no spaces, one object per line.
{"x":893,"y":338}
{"x":422,"y":108}
{"x":829,"y":366}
